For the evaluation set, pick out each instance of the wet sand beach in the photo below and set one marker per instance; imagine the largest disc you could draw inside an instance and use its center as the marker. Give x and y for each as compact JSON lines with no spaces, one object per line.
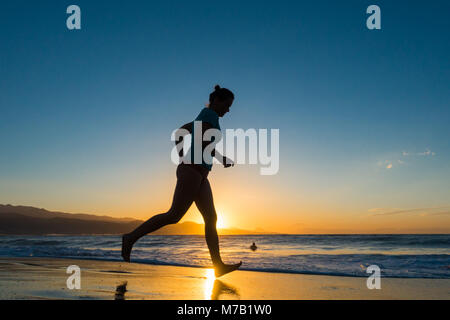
{"x":45,"y":278}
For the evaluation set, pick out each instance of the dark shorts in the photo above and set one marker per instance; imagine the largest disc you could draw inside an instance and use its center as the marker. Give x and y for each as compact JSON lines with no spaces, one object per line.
{"x":197,"y":167}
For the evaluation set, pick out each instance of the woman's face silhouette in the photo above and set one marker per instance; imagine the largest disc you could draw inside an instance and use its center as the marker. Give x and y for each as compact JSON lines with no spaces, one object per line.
{"x":222,"y":106}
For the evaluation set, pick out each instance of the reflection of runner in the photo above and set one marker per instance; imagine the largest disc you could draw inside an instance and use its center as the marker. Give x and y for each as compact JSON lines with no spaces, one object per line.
{"x":193,"y":186}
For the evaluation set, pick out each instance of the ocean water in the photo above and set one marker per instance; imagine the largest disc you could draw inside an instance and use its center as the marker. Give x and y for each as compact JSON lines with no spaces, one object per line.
{"x":408,"y":256}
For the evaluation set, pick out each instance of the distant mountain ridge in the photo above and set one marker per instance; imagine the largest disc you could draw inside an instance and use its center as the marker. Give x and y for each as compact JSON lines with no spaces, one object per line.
{"x":24,"y":220}
{"x":42,"y":213}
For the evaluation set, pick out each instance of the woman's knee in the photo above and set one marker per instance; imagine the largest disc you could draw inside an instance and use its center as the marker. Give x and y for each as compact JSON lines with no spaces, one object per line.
{"x":210,"y":220}
{"x":173,"y":217}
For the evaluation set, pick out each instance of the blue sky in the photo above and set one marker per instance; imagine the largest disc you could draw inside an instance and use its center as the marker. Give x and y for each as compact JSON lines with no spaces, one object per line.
{"x":93,"y":109}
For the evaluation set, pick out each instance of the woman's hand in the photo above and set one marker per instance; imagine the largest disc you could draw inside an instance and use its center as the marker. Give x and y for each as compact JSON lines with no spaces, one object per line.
{"x":227,"y":162}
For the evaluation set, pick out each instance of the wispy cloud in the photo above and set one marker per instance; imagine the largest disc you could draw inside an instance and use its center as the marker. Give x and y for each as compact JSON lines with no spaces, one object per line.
{"x":388,"y":164}
{"x":399,"y":160}
{"x":437,"y":213}
{"x":433,"y":211}
{"x":425,"y":153}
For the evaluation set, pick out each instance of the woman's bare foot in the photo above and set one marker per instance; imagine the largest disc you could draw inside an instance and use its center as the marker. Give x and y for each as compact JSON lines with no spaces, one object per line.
{"x":127,"y":245}
{"x":225,"y":268}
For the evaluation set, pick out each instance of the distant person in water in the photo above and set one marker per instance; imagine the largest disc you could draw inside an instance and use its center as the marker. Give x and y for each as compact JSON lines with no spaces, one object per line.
{"x":253,"y":247}
{"x":193,"y":186}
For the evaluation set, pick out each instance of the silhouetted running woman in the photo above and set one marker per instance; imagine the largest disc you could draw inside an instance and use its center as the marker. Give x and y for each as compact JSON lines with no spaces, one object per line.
{"x":193,"y":186}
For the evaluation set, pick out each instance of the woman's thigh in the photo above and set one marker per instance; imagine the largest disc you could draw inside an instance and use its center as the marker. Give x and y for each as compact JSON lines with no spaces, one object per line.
{"x":205,"y":203}
{"x":186,"y":190}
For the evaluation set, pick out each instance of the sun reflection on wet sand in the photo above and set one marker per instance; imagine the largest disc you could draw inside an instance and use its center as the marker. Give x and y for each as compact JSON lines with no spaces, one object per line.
{"x":209,"y":284}
{"x":214,"y":288}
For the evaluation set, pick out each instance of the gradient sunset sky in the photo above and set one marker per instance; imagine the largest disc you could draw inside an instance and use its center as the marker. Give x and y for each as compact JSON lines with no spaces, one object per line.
{"x":364,"y":120}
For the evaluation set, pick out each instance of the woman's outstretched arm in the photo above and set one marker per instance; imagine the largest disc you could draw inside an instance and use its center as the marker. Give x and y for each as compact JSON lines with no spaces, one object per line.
{"x":226,"y":162}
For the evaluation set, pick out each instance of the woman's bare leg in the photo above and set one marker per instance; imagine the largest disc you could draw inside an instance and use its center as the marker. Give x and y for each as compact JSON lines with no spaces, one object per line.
{"x":205,"y":204}
{"x":188,"y":184}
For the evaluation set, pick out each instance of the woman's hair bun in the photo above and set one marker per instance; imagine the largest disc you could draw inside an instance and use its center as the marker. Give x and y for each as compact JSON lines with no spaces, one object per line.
{"x":220,"y":93}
